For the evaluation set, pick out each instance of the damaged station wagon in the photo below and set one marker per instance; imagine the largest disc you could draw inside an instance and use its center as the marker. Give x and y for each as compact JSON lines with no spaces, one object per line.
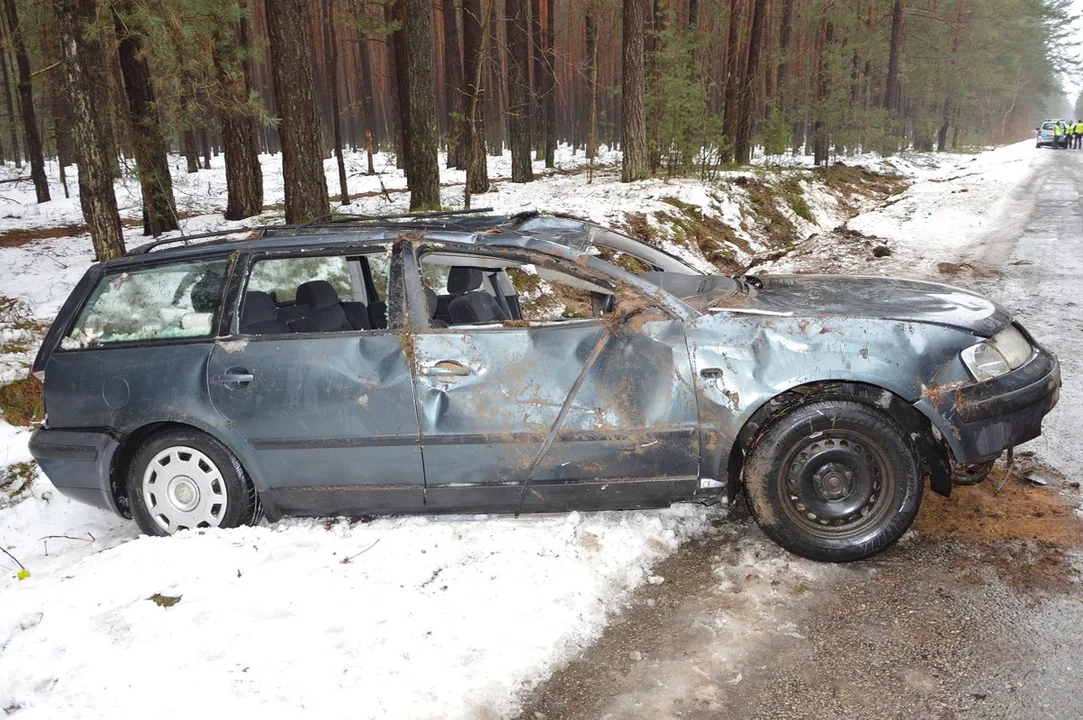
{"x":527,"y":363}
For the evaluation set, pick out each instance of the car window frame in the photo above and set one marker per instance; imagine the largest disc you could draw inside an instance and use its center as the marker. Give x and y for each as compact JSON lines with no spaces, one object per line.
{"x":106,"y":269}
{"x":581,"y":265}
{"x":251,"y":257}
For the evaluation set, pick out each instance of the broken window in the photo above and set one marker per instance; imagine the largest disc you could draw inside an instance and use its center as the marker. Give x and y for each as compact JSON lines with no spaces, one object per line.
{"x":335,"y":293}
{"x":179,"y":300}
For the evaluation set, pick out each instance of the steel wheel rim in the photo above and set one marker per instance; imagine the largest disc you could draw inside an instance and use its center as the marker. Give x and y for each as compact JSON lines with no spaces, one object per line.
{"x":183,"y":489}
{"x":837,"y":485}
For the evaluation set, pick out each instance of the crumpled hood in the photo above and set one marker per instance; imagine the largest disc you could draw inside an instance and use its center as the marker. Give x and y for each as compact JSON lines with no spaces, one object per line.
{"x":882,"y":298}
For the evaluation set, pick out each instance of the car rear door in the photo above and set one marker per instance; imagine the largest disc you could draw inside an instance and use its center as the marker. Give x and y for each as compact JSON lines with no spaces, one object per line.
{"x":330,"y":413}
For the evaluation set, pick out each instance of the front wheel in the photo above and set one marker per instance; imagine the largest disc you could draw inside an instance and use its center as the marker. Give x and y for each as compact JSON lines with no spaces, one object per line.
{"x":834,"y":481}
{"x":186,"y":480}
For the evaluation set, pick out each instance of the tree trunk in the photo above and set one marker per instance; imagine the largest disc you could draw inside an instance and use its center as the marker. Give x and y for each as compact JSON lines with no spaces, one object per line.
{"x":295,"y":94}
{"x":205,"y":145}
{"x":453,"y":84}
{"x":821,"y":144}
{"x":367,"y":102}
{"x":474,"y":28}
{"x":240,"y":129}
{"x":330,"y":51}
{"x":148,"y":143}
{"x":891,"y":86}
{"x":515,"y":12}
{"x":537,"y":113}
{"x":693,"y":15}
{"x":636,"y":161}
{"x":423,"y":169}
{"x":495,"y":90}
{"x":398,"y":65}
{"x":190,"y":150}
{"x":743,"y":146}
{"x":26,"y":96}
{"x":12,"y":122}
{"x":784,"y":35}
{"x":549,"y":87}
{"x":96,"y":195}
{"x":592,"y":86}
{"x":731,"y":116}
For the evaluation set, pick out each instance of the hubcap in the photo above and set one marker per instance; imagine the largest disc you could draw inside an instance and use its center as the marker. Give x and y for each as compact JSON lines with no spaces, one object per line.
{"x":834,"y":483}
{"x":184,"y":489}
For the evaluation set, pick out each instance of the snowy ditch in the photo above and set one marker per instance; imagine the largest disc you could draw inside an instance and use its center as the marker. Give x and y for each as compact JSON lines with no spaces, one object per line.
{"x":397,"y":617}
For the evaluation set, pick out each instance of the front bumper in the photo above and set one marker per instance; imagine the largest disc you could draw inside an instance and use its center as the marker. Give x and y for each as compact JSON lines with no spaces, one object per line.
{"x":78,"y":463}
{"x":981,"y":420}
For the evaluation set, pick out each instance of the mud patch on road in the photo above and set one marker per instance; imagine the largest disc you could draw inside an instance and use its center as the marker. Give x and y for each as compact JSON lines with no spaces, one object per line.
{"x":1022,"y":511}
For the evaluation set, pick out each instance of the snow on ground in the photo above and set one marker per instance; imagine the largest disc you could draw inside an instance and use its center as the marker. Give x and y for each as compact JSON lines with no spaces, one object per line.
{"x":398,"y":617}
{"x":402,"y":617}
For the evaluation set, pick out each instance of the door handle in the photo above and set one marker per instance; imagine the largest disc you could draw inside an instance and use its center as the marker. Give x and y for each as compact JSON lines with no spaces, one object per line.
{"x":445,"y":368}
{"x":234,"y":377}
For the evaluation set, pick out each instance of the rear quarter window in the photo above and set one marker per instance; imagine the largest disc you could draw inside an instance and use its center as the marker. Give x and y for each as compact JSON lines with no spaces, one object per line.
{"x":179,"y":300}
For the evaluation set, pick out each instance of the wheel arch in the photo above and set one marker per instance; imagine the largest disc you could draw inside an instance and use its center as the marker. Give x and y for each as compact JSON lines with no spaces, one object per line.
{"x":932,"y":451}
{"x":131,"y":442}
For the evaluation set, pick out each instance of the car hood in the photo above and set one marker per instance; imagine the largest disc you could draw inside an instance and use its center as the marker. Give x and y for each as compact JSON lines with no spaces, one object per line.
{"x":870,"y":297}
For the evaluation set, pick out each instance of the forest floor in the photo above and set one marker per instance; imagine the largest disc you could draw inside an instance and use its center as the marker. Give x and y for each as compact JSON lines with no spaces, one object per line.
{"x":640,"y":614}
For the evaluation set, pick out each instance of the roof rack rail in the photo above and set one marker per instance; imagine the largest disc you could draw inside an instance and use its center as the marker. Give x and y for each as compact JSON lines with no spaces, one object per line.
{"x":186,"y":239}
{"x":320,"y":221}
{"x":343,"y":218}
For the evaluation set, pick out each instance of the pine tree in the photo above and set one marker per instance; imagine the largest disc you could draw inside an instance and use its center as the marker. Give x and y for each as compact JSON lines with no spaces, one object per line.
{"x":148,"y":143}
{"x":96,"y":195}
{"x":26,"y":96}
{"x":295,"y":91}
{"x":518,"y":89}
{"x":636,"y":159}
{"x":474,"y":29}
{"x":423,"y":174}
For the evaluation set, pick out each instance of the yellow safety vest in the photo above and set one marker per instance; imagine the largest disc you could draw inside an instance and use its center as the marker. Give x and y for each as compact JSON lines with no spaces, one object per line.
{"x":1079,"y":128}
{"x":1057,"y":130}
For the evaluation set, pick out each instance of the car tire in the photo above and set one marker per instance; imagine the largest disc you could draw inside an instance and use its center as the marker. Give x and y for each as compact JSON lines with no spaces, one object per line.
{"x":187,"y":480}
{"x":971,"y":474}
{"x":834,"y":480}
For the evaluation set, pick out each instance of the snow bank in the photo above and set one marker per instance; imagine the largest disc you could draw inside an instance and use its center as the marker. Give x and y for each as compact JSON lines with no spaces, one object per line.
{"x":403,"y":617}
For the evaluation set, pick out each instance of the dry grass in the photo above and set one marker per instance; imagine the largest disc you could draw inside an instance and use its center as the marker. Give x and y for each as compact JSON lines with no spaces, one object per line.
{"x":22,"y":401}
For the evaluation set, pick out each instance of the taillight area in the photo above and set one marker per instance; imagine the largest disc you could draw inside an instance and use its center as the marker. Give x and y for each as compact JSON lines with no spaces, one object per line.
{"x":39,"y":374}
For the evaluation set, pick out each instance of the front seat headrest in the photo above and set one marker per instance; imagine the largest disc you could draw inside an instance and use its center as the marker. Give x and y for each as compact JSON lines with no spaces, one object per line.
{"x":461,"y":280}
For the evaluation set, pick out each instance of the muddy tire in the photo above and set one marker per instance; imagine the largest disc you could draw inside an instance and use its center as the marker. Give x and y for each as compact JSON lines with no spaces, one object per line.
{"x":186,"y":480}
{"x":834,"y":481}
{"x":971,"y":474}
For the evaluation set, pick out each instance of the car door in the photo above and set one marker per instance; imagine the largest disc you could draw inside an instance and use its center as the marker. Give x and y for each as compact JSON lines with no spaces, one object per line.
{"x":329,"y":413}
{"x":594,"y":413}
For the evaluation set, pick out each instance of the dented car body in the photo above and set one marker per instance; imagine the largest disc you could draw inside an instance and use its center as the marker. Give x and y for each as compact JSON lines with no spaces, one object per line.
{"x":502,"y":365}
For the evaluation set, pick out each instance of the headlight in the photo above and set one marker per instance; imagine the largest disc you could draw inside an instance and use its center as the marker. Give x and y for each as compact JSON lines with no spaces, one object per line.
{"x":1000,"y":354}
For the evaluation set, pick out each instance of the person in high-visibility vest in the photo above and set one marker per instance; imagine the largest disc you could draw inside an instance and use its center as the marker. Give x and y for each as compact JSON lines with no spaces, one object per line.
{"x":1058,"y":130}
{"x":1079,"y":134}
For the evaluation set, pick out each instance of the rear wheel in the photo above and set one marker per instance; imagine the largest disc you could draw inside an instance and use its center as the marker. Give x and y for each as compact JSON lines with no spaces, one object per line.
{"x":834,"y":480}
{"x":186,"y":480}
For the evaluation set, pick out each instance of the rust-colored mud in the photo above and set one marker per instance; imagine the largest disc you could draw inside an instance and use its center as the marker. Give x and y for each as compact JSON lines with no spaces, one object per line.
{"x":1022,"y":511}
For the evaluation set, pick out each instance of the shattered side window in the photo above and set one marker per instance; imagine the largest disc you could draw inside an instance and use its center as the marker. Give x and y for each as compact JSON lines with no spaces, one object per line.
{"x":281,"y":278}
{"x":545,"y":299}
{"x":179,"y":300}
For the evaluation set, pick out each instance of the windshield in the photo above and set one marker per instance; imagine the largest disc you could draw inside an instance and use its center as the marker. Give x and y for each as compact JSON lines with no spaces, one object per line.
{"x":1047,"y":126}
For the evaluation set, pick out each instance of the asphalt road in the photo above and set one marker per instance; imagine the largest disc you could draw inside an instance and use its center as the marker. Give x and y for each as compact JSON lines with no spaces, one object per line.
{"x":976,"y":614}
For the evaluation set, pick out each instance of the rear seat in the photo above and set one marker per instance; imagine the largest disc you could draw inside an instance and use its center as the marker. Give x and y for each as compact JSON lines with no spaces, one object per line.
{"x":324,"y":312}
{"x":260,"y":315}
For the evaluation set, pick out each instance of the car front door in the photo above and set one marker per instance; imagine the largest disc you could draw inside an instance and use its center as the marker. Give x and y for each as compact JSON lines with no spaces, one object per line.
{"x":328,"y":409}
{"x":591,"y":411}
